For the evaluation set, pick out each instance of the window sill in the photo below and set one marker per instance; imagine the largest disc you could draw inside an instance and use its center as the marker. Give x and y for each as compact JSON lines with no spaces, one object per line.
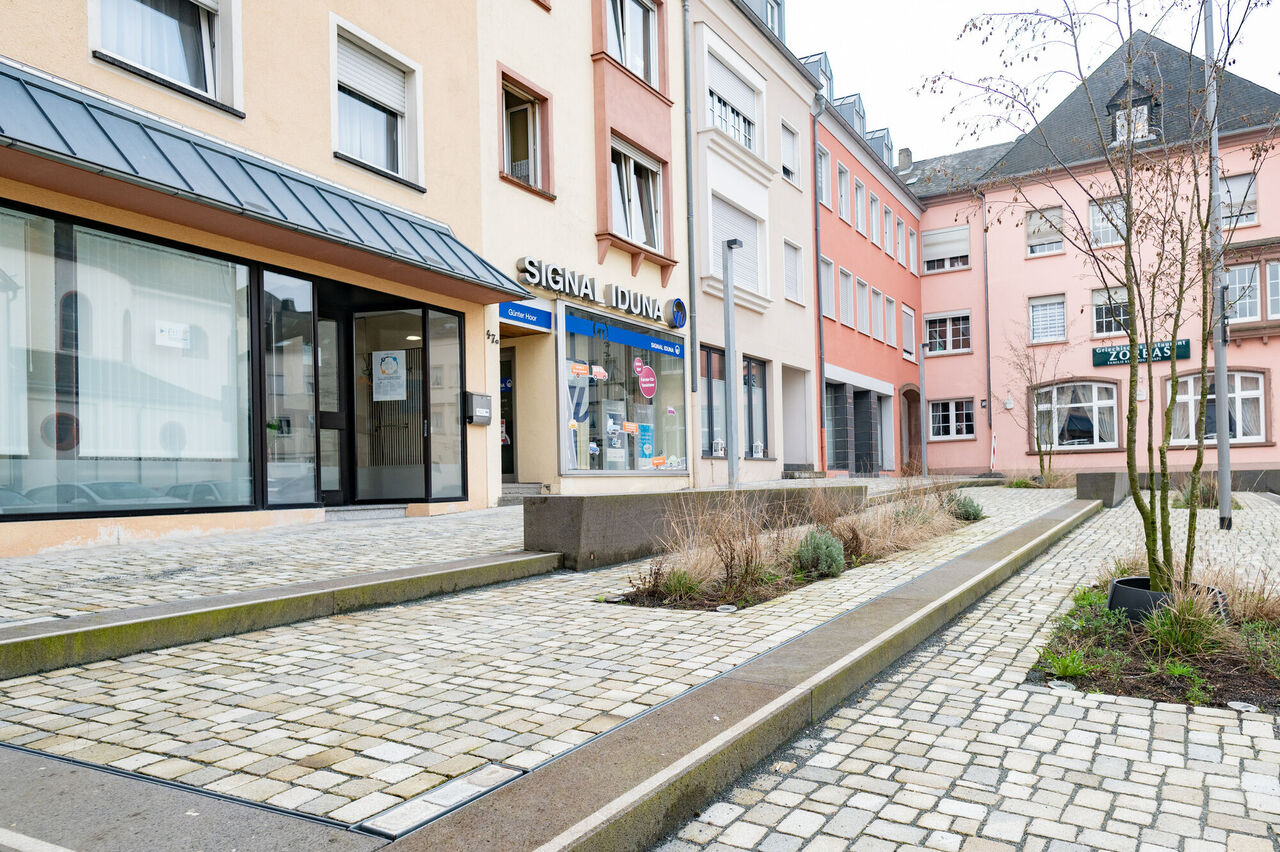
{"x":160,"y":80}
{"x":1105,"y":245}
{"x":760,"y":458}
{"x":1110,"y":336}
{"x":1234,"y":228}
{"x":1211,"y":443}
{"x":795,"y":301}
{"x":794,"y":183}
{"x":949,"y":440}
{"x":945,"y":271}
{"x":1059,"y":253}
{"x":944,"y":353}
{"x":1253,"y":329}
{"x":606,"y":240}
{"x":911,"y":358}
{"x":534,"y":190}
{"x":742,"y":297}
{"x":380,"y":172}
{"x":1057,"y":451}
{"x":1057,"y":341}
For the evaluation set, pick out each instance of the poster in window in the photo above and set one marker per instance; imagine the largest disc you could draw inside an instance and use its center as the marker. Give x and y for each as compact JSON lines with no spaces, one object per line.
{"x":388,"y":375}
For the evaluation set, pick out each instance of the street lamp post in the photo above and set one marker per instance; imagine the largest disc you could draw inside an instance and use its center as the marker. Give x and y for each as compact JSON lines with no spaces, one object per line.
{"x":730,"y":362}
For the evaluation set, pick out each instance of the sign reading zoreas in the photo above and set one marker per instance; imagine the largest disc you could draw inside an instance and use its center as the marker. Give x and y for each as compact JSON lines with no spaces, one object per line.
{"x":561,"y":279}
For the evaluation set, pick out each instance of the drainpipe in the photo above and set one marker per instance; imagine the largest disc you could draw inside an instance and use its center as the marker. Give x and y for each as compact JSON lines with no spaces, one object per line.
{"x":986,"y":300}
{"x":688,"y":197}
{"x":820,"y":106}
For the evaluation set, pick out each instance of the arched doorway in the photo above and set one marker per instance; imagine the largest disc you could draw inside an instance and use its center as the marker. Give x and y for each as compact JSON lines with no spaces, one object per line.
{"x":911,"y":448}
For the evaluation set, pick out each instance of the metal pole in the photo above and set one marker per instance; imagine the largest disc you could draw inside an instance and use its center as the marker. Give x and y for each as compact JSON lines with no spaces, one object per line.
{"x":693,"y":349}
{"x":924,"y":419}
{"x":732,"y":374}
{"x":1221,"y":398}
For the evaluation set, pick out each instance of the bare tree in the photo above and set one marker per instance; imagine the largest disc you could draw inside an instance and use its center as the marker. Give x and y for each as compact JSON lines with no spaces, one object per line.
{"x":1032,"y":368}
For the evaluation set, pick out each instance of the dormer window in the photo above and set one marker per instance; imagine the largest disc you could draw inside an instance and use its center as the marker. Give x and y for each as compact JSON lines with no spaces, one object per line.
{"x":1131,"y":125}
{"x":773,"y":14}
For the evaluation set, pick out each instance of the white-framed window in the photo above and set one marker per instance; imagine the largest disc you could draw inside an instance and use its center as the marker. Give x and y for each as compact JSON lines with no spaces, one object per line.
{"x":1110,"y":312}
{"x":732,"y":103}
{"x":1131,"y":125}
{"x":1075,"y":415}
{"x":1106,"y":222}
{"x":891,"y":321}
{"x":911,"y":251}
{"x":875,"y":219}
{"x":877,"y":315}
{"x":790,"y":154}
{"x":731,"y":222}
{"x":1273,"y":290}
{"x":888,"y":231}
{"x":945,"y":248}
{"x":842,"y":190}
{"x":633,"y":37}
{"x":826,"y":287}
{"x":822,"y":171}
{"x":908,"y":333}
{"x":1048,"y":318}
{"x":1239,"y":201}
{"x":636,"y":192}
{"x":773,"y":15}
{"x":950,"y":419}
{"x":1246,"y":409}
{"x":864,"y":307}
{"x":373,"y":101}
{"x":846,"y":298}
{"x":180,"y":40}
{"x":791,"y":261}
{"x":1044,"y":231}
{"x":900,"y":233}
{"x":860,"y":206}
{"x":1243,"y":301}
{"x":521,"y":136}
{"x":947,"y":333}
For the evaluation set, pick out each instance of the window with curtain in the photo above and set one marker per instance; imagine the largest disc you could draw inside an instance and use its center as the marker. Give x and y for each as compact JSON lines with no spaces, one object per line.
{"x":1077,"y":415}
{"x":1044,"y":231}
{"x":846,"y":298}
{"x":1243,"y":301}
{"x":714,"y":400}
{"x":173,"y":38}
{"x":1239,"y":200}
{"x":1106,"y":222}
{"x":637,"y":198}
{"x":1246,"y":409}
{"x":633,"y":37}
{"x":826,"y":285}
{"x":372,"y":101}
{"x":1048,"y":318}
{"x":755,"y":409}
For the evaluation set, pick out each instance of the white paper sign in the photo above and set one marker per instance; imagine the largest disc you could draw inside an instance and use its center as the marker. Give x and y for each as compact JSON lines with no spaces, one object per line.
{"x":388,"y":375}
{"x":176,"y":335}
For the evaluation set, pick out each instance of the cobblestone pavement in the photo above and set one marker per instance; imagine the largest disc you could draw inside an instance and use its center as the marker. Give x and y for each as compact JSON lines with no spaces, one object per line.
{"x":76,"y":582}
{"x":952,"y":750}
{"x":346,"y":716}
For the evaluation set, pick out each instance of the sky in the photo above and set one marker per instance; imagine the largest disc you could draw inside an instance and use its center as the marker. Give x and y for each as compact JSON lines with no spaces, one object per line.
{"x":886,"y":51}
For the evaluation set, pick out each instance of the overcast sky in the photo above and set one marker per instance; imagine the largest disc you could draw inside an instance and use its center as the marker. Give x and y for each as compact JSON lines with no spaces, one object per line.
{"x":885,"y":50}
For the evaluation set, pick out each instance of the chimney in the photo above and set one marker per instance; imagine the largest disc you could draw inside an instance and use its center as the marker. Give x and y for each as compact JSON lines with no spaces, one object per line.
{"x":904,"y":159}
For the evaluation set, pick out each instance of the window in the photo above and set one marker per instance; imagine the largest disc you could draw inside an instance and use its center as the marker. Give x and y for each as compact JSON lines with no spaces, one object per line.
{"x":1239,"y":201}
{"x":637,"y":198}
{"x":1106,"y":222}
{"x":1110,"y":312}
{"x":288,"y":342}
{"x":1076,"y":415}
{"x":791,"y":271}
{"x":1243,"y":303}
{"x":633,"y":37}
{"x":1131,"y":125}
{"x":1273,"y":289}
{"x":732,"y":103}
{"x":727,"y":223}
{"x":1044,"y":231}
{"x":826,"y":284}
{"x":521,"y":136}
{"x":908,"y":333}
{"x":714,"y":400}
{"x":864,"y":307}
{"x":901,"y":234}
{"x":875,"y":219}
{"x":371,"y":108}
{"x":846,"y":298}
{"x":946,"y":248}
{"x":773,"y":15}
{"x":911,"y":251}
{"x":621,"y":424}
{"x":173,"y":38}
{"x":754,"y":409}
{"x":877,"y":314}
{"x":1048,"y":319}
{"x":952,"y":418}
{"x":822,"y":173}
{"x":891,"y":322}
{"x":888,"y":230}
{"x":1246,"y":407}
{"x":842,"y":186}
{"x":947,"y":333}
{"x":860,"y":206}
{"x":790,"y":154}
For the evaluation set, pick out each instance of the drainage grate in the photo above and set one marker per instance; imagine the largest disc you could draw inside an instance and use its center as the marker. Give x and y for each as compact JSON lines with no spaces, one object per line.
{"x":418,"y":811}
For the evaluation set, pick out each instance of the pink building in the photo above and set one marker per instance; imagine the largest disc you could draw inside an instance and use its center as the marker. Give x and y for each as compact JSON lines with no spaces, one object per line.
{"x":1001,"y":285}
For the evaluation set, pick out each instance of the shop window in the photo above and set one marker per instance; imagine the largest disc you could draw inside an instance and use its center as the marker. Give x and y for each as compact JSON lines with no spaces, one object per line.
{"x":947,"y":333}
{"x":1246,"y":409}
{"x":637,"y":197}
{"x":624,"y":396}
{"x":950,"y":419}
{"x":1243,"y":302}
{"x":633,"y":37}
{"x":755,"y":408}
{"x":288,"y":344}
{"x":1110,"y":312}
{"x":1076,"y":415}
{"x":1048,"y":319}
{"x":714,"y":400}
{"x":446,"y":414}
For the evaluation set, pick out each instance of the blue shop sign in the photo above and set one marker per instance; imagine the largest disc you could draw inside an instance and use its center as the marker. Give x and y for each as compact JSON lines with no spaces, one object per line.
{"x":524,"y":314}
{"x":1114,"y":356}
{"x":625,"y":336}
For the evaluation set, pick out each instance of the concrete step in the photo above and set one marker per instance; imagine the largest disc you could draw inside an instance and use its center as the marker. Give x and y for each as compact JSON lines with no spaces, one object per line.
{"x":631,"y":786}
{"x":365,"y":513}
{"x":513,"y":493}
{"x":47,"y":645}
{"x":803,"y":474}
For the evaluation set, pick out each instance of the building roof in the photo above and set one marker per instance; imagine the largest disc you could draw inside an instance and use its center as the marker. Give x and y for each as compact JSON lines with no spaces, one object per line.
{"x":59,"y":122}
{"x":952,"y":172}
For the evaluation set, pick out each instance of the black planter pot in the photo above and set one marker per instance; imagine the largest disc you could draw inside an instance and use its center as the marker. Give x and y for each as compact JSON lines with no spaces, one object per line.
{"x":1135,"y":597}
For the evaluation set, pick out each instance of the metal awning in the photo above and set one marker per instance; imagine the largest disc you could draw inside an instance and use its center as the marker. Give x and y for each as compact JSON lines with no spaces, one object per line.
{"x":69,"y":125}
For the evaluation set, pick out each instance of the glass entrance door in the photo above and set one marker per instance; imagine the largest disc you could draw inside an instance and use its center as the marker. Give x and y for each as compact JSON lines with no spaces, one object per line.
{"x":388,"y":405}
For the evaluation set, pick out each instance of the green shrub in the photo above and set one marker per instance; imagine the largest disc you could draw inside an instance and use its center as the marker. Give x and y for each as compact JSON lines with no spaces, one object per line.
{"x":1178,"y":668}
{"x":1088,"y":596}
{"x":964,"y":508}
{"x":818,"y":555}
{"x":1023,"y":483}
{"x":1187,"y":626}
{"x":1262,"y":645}
{"x":1066,"y":664}
{"x":680,"y":585}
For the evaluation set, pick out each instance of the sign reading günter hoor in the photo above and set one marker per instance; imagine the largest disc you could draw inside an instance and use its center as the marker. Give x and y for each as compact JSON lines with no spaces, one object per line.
{"x":1115,"y":356}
